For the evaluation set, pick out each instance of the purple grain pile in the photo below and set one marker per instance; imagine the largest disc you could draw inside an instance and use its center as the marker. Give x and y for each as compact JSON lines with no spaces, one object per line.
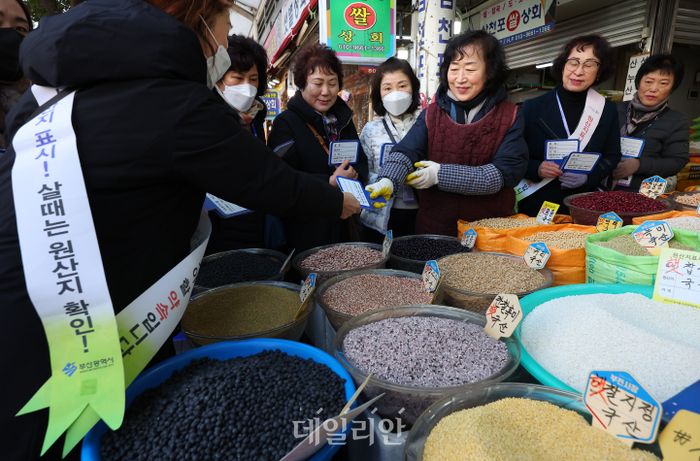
{"x":363,"y":293}
{"x":341,"y":258}
{"x":425,"y":351}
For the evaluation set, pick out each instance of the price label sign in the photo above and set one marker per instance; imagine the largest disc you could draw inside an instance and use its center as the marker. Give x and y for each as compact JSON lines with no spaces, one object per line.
{"x":307,"y":287}
{"x":503,"y":316}
{"x":678,"y":277}
{"x":469,"y":238}
{"x":547,"y":212}
{"x":680,"y":440}
{"x":431,"y":276}
{"x":386,"y":246}
{"x":653,"y":187}
{"x":537,"y":255}
{"x":653,"y":235}
{"x":622,"y":407}
{"x":608,"y":221}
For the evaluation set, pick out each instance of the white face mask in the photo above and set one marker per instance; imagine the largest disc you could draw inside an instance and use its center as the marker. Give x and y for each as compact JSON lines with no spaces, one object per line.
{"x":397,"y":102}
{"x":218,"y":63}
{"x":240,"y":97}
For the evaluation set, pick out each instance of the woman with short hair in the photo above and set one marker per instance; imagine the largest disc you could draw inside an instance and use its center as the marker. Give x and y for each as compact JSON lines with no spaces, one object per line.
{"x":659,"y":144}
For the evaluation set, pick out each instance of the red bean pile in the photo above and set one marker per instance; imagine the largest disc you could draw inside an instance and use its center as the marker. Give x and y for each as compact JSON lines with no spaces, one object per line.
{"x":617,"y":201}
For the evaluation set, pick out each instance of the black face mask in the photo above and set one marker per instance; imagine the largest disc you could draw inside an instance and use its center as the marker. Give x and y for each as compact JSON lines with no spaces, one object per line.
{"x":10,"y":39}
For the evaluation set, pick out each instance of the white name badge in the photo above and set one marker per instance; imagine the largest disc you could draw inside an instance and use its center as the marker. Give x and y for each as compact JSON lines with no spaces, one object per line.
{"x":631,"y":147}
{"x":356,"y":188}
{"x":556,"y":150}
{"x":580,"y":162}
{"x":224,"y":208}
{"x":343,"y":150}
{"x":384,"y":153}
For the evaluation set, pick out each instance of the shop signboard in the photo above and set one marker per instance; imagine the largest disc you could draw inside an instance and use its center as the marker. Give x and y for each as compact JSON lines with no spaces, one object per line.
{"x":272,"y":103}
{"x":512,"y":21}
{"x":360,"y":32}
{"x":632,"y":69}
{"x":290,"y":12}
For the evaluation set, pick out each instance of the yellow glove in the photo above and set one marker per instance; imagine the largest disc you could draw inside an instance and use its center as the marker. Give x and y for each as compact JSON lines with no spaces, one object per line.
{"x":425,"y":177}
{"x":382,"y":188}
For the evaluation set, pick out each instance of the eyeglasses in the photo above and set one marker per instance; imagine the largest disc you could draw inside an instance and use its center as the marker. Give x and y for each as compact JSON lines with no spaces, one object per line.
{"x":589,"y":65}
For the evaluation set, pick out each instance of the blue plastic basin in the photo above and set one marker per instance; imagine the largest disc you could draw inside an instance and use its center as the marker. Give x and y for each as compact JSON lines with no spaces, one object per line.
{"x":225,"y":350}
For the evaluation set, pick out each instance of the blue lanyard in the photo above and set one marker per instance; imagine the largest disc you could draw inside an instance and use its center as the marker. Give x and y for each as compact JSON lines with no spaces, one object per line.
{"x":563,"y":117}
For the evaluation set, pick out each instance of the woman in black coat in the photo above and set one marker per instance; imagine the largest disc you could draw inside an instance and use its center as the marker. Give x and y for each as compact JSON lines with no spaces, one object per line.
{"x":648,"y":121}
{"x":568,"y":112}
{"x":302,"y":136}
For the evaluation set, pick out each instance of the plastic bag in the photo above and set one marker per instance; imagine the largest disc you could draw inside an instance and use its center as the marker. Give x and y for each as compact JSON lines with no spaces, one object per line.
{"x":377,"y":218}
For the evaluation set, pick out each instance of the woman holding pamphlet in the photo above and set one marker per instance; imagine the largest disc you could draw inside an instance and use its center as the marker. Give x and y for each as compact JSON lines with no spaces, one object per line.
{"x":572,"y":118}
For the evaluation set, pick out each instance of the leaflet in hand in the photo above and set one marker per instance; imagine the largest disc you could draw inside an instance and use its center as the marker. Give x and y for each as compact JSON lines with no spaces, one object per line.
{"x":356,"y":188}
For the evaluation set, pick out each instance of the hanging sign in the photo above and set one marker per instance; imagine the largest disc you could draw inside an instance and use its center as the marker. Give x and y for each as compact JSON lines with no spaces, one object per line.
{"x":514,"y":21}
{"x":360,"y":32}
{"x":632,"y":69}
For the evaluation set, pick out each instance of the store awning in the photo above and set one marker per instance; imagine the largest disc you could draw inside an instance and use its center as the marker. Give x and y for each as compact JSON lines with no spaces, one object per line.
{"x":242,"y":16}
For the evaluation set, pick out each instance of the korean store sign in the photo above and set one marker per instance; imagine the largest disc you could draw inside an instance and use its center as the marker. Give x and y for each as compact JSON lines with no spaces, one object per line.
{"x":511,"y":21}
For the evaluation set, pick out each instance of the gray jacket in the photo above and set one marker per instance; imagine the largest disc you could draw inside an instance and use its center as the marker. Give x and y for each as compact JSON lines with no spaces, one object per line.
{"x":665,"y":150}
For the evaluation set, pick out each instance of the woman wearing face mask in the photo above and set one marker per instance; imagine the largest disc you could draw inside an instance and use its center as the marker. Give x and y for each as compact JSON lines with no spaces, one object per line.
{"x":395,"y":98}
{"x":572,"y":117}
{"x":465,"y":152}
{"x":15,"y":24}
{"x":306,"y":136}
{"x":655,"y":137}
{"x":151,"y":139}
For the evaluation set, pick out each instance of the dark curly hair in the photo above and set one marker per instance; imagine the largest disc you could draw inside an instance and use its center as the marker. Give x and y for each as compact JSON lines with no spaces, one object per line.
{"x":665,"y":63}
{"x":246,"y":53}
{"x":601,"y":50}
{"x":491,"y":52}
{"x":393,"y":65}
{"x":312,"y":57}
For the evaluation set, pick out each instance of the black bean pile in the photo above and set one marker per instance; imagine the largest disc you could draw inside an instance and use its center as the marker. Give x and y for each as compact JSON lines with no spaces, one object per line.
{"x":425,"y":249}
{"x":237,"y":267}
{"x":237,"y":409}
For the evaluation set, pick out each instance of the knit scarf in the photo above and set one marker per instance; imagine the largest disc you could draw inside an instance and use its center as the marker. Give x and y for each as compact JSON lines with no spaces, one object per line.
{"x":330,"y":123}
{"x":639,"y":114}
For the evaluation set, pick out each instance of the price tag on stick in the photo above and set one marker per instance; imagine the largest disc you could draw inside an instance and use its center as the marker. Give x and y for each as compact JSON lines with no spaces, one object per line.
{"x":608,"y":221}
{"x":653,"y":235}
{"x":680,"y":440}
{"x":503,"y":316}
{"x":537,"y":255}
{"x":386,"y":245}
{"x":678,"y":277}
{"x":547,"y":212}
{"x":305,"y":294}
{"x":653,"y":187}
{"x":622,"y":407}
{"x":432,"y":278}
{"x":469,"y":238}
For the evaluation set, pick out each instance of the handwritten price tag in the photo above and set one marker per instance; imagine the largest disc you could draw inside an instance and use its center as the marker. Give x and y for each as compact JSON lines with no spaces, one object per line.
{"x":680,"y":440}
{"x":503,"y":316}
{"x":653,"y":187}
{"x":547,"y":212}
{"x":678,"y":277}
{"x":653,"y":235}
{"x":386,"y":245}
{"x":537,"y":255}
{"x":308,"y":287}
{"x":469,"y":238}
{"x":608,"y":221}
{"x":621,"y":406}
{"x":431,"y":276}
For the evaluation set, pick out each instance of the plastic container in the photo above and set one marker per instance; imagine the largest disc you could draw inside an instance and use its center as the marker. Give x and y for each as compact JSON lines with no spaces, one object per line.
{"x":414,"y":400}
{"x":338,"y":318}
{"x":160,"y":373}
{"x":479,"y":302}
{"x":530,"y":303}
{"x":291,"y":330}
{"x":414,"y":265}
{"x":590,"y":217}
{"x":322,"y":276}
{"x":273,"y":255}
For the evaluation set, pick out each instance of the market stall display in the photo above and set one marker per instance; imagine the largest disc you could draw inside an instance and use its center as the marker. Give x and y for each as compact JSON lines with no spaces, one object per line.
{"x":246,"y":310}
{"x":247,"y":416}
{"x":327,"y":261}
{"x":410,"y":253}
{"x":615,"y":257}
{"x":354,"y":293}
{"x":665,"y":216}
{"x":686,"y":200}
{"x":235,"y":266}
{"x":587,"y":207}
{"x":472,"y":280}
{"x":580,"y":319}
{"x":419,"y":354}
{"x":513,"y":421}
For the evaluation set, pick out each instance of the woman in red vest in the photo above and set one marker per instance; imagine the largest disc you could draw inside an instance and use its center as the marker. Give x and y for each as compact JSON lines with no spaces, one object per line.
{"x":466,"y":151}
